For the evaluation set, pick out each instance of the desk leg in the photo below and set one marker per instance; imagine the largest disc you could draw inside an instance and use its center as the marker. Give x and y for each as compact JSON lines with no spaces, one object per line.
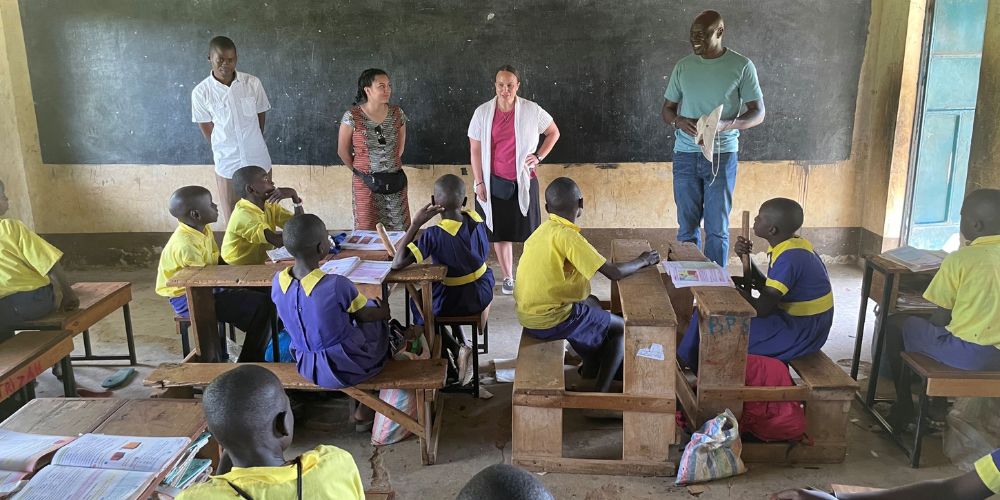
{"x":201,"y":304}
{"x":427,"y":308}
{"x":129,"y":335}
{"x":883,"y":314}
{"x":69,"y":381}
{"x":866,"y":290}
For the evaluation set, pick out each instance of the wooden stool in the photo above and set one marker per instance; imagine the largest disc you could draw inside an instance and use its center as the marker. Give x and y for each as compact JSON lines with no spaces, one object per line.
{"x":938,"y":379}
{"x":479,"y":325}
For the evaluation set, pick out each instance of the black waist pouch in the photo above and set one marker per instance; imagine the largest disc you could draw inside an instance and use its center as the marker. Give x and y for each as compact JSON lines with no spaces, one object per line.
{"x":502,"y":188}
{"x":383,"y":182}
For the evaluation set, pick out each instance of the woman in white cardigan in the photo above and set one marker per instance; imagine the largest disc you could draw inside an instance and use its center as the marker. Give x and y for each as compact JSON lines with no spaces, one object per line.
{"x":503,"y":139}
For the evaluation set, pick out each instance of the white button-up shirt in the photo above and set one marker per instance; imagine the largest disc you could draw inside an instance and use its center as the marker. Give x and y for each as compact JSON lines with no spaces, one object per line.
{"x":236,"y":138}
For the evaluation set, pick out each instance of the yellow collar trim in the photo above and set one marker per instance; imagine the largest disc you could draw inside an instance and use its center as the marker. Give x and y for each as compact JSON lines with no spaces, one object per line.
{"x":789,"y":244}
{"x":308,"y":282}
{"x":451,"y":226}
{"x":206,"y":233}
{"x":986,"y":240}
{"x":560,"y":220}
{"x":248,"y":205}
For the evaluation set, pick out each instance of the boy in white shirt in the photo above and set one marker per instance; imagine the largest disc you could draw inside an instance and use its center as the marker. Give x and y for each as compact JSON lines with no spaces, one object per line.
{"x":229,"y":108}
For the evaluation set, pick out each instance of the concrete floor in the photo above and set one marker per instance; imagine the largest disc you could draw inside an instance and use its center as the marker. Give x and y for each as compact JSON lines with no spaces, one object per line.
{"x":477,"y":432}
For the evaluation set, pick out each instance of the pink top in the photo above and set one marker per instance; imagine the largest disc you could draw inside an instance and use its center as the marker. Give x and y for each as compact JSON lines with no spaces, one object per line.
{"x":503,"y":145}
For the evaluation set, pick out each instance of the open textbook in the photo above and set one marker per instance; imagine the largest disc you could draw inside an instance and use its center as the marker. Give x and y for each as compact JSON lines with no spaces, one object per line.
{"x":708,"y":127}
{"x":686,"y":274}
{"x":97,"y":466}
{"x":369,"y":240}
{"x":372,"y":272}
{"x":21,"y":454}
{"x":915,"y":259}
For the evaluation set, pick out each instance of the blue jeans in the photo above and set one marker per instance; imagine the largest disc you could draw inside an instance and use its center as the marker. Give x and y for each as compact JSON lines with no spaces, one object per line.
{"x":698,"y":196}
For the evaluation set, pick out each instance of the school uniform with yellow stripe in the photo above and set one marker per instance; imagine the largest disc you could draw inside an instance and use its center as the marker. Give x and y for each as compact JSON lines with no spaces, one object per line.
{"x":462,"y":247}
{"x":331,"y":349}
{"x":801,"y":323}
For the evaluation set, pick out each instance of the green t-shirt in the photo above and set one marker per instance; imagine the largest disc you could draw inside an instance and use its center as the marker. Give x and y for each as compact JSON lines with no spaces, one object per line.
{"x":701,"y":85}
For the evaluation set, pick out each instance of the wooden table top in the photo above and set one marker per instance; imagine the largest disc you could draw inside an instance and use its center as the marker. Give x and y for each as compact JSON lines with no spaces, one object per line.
{"x":125,"y":417}
{"x":262,"y":275}
{"x":887,"y":266}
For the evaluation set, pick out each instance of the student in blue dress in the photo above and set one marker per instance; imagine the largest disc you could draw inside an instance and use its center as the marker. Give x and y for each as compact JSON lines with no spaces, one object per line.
{"x":339,"y":338}
{"x":795,"y":306}
{"x":459,"y":242}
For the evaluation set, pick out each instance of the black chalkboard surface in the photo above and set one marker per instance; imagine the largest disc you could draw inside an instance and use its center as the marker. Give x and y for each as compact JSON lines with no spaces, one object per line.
{"x":112,"y":78}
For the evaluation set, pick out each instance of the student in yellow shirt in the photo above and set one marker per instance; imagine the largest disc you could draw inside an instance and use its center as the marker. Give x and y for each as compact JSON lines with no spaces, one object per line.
{"x":553,"y":289}
{"x":32,"y":282}
{"x":251,"y":231}
{"x":193,"y":245}
{"x":964,"y":332}
{"x":249,"y":414}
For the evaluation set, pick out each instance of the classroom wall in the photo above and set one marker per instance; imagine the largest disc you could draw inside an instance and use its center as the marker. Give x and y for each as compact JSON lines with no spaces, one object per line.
{"x":12,"y":171}
{"x":984,"y":158}
{"x":116,"y":213}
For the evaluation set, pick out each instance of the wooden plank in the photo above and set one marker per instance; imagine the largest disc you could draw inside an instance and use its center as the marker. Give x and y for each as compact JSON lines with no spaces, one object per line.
{"x":687,"y":398}
{"x":62,"y":416}
{"x":598,"y":401}
{"x":201,"y":306}
{"x":826,"y":421}
{"x":781,"y":453}
{"x":156,"y":417}
{"x":963,"y":388}
{"x":792,"y":393}
{"x":416,"y":374}
{"x":685,"y":251}
{"x":682,"y":299}
{"x":928,"y":367}
{"x":595,"y":466}
{"x":539,"y":365}
{"x":97,"y":301}
{"x":820,"y":372}
{"x":722,"y":355}
{"x":26,"y":355}
{"x":647,"y":436}
{"x":418,"y":273}
{"x":372,"y":401}
{"x":722,"y":301}
{"x":644,"y":301}
{"x":536,"y":432}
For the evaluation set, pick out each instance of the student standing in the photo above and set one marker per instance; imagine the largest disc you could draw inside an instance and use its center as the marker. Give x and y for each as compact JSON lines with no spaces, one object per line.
{"x":699,"y":83}
{"x":371,"y":141}
{"x":229,"y":108}
{"x":503,"y":141}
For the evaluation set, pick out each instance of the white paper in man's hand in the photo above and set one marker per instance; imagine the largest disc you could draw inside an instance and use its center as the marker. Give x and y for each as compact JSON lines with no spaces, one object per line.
{"x":707,"y":127}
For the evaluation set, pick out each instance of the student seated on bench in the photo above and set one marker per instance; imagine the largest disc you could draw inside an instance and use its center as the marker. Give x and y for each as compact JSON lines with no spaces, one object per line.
{"x":339,"y":337}
{"x":249,"y":414}
{"x":458,"y":242}
{"x":795,"y":307}
{"x":193,"y":245}
{"x":250,"y":232}
{"x":964,"y":331}
{"x":553,"y":288}
{"x":32,"y":282}
{"x":979,"y":484}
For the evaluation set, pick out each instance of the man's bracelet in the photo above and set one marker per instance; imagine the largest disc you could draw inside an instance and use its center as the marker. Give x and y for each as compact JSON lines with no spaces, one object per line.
{"x":477,"y":184}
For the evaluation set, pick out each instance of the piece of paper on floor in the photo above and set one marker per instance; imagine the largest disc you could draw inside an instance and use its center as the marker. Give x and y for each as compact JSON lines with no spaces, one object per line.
{"x":654,"y":351}
{"x":505,"y":369}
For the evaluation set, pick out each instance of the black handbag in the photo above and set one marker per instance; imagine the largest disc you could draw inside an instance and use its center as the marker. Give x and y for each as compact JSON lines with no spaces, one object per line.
{"x":502,"y":188}
{"x":383,"y":182}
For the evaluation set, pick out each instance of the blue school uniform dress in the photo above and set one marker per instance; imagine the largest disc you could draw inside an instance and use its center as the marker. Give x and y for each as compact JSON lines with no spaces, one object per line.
{"x":462,"y":247}
{"x":801,"y":323}
{"x":330,"y":348}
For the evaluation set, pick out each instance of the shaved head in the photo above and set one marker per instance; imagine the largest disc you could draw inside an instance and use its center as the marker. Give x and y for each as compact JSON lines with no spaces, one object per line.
{"x":709,"y":19}
{"x":706,"y":34}
{"x":981,"y":214}
{"x":247,"y":176}
{"x":784,"y":214}
{"x":242,"y":407}
{"x":449,"y":191}
{"x":188,"y":198}
{"x":304,"y":235}
{"x":562,"y":195}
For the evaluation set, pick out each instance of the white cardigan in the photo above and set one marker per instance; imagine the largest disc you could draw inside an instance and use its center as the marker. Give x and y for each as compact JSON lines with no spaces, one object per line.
{"x":530,"y":120}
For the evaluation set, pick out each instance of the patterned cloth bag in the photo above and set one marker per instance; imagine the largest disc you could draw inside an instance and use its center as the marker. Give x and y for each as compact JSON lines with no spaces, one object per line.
{"x":713,"y":452}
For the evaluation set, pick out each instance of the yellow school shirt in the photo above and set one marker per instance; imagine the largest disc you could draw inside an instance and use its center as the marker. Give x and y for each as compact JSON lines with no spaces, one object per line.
{"x":967,"y":283}
{"x":25,"y":258}
{"x":187,"y":247}
{"x":327,"y":472}
{"x":554,"y":273}
{"x":244,"y":243}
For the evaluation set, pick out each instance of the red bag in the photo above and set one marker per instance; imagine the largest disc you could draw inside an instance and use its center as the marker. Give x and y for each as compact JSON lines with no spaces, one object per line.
{"x":772,"y":420}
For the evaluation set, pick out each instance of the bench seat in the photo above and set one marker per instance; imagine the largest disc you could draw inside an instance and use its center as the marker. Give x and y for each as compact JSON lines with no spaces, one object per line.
{"x":28,"y":354}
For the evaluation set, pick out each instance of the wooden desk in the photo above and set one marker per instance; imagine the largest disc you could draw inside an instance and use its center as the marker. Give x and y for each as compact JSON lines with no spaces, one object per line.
{"x":200,"y":282}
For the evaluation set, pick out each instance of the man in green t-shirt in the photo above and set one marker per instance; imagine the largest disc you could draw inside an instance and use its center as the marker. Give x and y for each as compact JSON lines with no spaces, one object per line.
{"x":714,"y":75}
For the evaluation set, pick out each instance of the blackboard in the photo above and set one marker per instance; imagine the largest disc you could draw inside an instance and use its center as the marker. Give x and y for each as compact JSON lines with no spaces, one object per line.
{"x":112,"y":79}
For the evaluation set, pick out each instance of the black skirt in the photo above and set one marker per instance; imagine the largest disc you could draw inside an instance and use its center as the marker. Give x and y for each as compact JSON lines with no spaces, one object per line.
{"x":508,"y":223}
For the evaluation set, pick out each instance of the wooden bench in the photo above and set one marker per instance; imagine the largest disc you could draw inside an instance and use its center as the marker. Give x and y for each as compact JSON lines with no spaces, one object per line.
{"x":26,"y":355}
{"x":425,"y":377}
{"x":97,"y":301}
{"x":724,"y":326}
{"x":648,"y":400}
{"x":940,"y":380}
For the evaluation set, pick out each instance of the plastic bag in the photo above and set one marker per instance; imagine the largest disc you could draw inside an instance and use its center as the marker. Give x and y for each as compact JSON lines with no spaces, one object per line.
{"x":284,"y":349}
{"x":713,"y":452}
{"x":384,"y":430}
{"x":973,"y":431}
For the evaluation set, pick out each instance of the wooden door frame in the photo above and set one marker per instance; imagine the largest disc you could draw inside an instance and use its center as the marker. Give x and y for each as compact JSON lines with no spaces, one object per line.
{"x":918,"y":119}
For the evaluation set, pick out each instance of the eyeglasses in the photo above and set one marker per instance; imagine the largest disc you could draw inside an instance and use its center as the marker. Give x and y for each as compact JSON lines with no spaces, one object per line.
{"x":381,"y":138}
